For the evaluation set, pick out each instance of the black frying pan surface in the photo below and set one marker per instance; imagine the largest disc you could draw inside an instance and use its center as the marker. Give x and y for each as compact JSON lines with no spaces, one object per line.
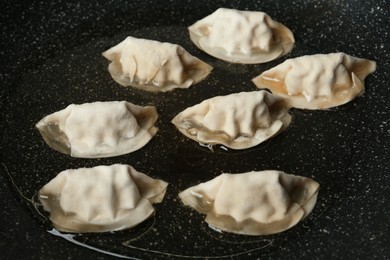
{"x":51,"y":57}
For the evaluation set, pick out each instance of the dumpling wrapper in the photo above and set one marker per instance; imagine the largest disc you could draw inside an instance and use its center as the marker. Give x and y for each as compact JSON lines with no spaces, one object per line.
{"x":99,"y":129}
{"x":100,"y":199}
{"x":253,"y":203}
{"x":154,"y":66}
{"x":242,"y":36}
{"x":317,"y":81}
{"x":238,"y":121}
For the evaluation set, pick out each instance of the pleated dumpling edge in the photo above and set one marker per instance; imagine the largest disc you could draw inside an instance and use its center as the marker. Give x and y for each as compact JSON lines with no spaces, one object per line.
{"x":154,"y":66}
{"x":237,"y":121}
{"x":246,"y":37}
{"x":253,"y":203}
{"x":317,"y":81}
{"x":99,"y":129}
{"x":100,"y":199}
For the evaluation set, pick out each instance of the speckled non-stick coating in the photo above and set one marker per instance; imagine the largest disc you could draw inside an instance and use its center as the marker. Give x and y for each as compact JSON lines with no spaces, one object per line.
{"x":51,"y":57}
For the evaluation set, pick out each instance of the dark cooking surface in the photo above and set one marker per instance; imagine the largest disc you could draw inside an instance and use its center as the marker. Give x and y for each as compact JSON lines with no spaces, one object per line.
{"x":51,"y":57}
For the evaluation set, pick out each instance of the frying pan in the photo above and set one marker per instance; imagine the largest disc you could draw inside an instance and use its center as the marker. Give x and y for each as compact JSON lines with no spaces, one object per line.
{"x":51,"y":57}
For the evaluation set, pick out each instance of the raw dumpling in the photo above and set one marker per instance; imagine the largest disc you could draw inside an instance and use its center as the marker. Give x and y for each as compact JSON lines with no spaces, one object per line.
{"x":237,"y":121}
{"x":99,"y":129}
{"x":253,"y":203}
{"x":242,"y":36}
{"x":318,"y":81}
{"x":99,"y":199}
{"x":154,"y":66}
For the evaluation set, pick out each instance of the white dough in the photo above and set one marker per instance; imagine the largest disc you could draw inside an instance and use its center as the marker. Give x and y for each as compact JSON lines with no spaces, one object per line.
{"x":99,"y":129}
{"x":253,"y":203}
{"x":154,"y":66}
{"x":238,"y":121}
{"x":318,"y":81}
{"x":241,"y":36}
{"x":99,"y":199}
